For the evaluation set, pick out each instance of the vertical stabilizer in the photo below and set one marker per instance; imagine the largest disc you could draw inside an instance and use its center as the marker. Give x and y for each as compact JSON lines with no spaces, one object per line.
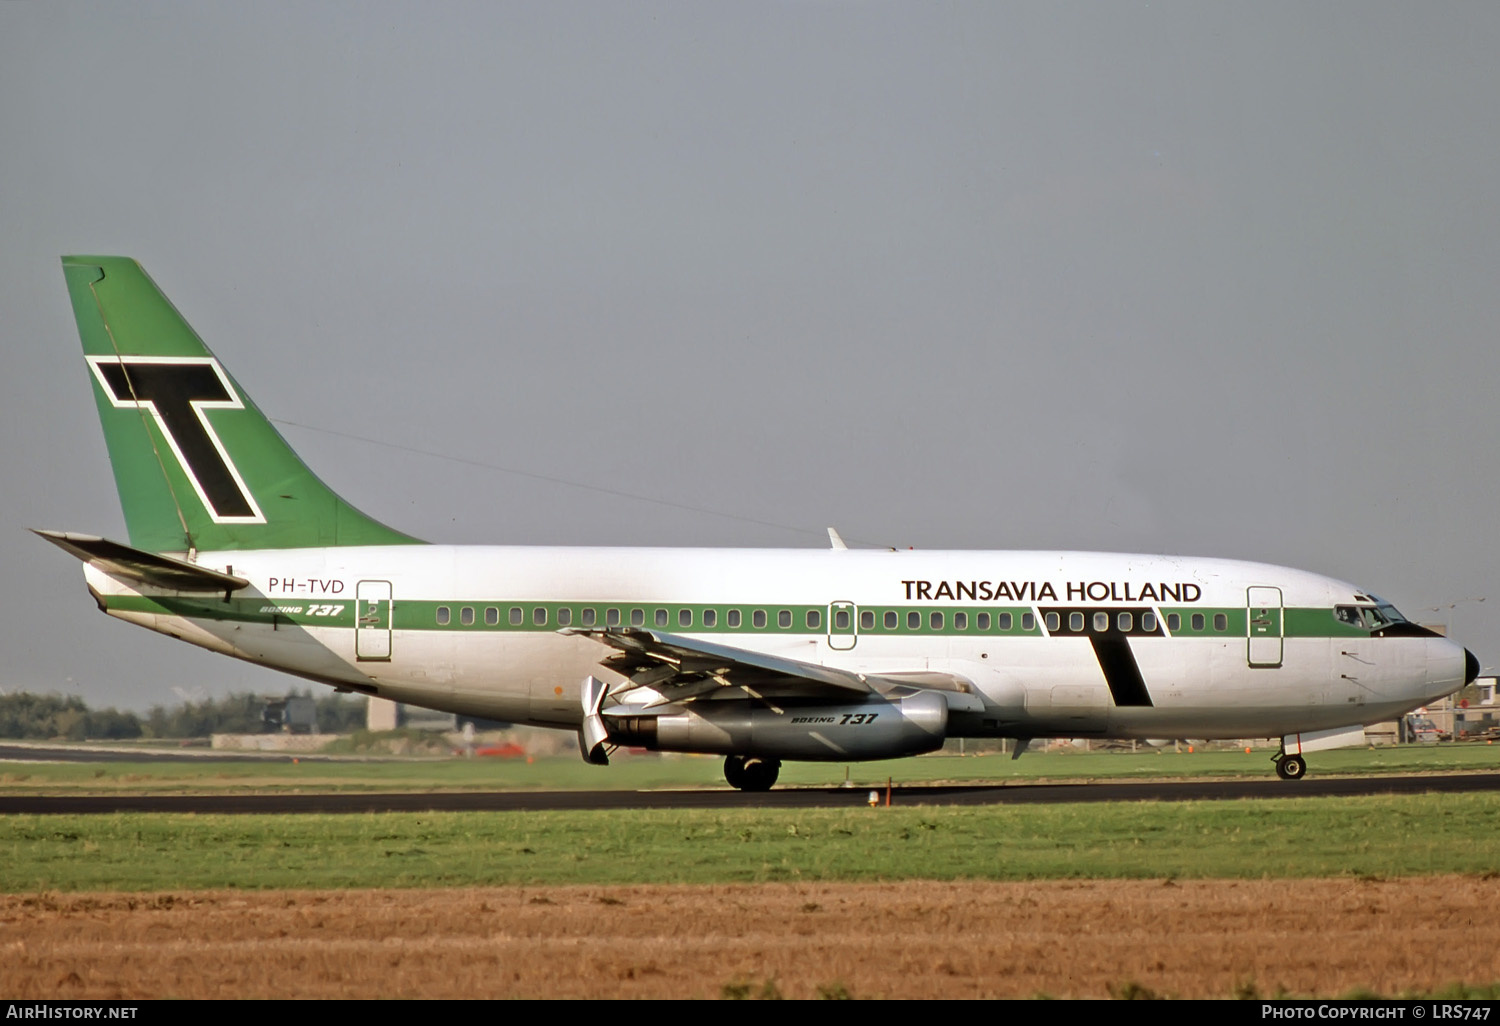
{"x":197,"y":465}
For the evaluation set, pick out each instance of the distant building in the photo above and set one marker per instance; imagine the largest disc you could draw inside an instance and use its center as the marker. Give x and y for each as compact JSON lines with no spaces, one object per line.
{"x":384,"y":714}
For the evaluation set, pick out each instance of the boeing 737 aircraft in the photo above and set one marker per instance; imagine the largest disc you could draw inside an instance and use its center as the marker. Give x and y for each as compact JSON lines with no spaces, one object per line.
{"x":758,"y":655}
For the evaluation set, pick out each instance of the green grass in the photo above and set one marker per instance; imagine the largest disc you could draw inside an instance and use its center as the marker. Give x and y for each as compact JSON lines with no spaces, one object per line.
{"x":646,"y":772}
{"x":1306,"y":837}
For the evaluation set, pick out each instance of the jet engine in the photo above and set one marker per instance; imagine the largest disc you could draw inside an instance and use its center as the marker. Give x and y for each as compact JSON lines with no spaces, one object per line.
{"x":874,"y":729}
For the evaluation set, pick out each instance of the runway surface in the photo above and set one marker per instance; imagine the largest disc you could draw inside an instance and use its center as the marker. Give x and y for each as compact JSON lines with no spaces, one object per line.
{"x":783,"y":798}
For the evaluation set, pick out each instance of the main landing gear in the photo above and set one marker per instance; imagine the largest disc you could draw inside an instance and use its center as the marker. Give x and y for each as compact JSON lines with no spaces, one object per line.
{"x":1290,"y":767}
{"x":751,"y":773}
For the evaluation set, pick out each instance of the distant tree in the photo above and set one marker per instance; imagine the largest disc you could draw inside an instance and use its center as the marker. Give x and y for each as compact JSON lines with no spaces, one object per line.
{"x":48,"y":717}
{"x":342,"y":714}
{"x":111,"y":725}
{"x":238,"y":713}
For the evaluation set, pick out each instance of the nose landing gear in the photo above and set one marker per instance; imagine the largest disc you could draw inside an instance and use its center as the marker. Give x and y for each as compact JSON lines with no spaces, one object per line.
{"x":1290,"y":767}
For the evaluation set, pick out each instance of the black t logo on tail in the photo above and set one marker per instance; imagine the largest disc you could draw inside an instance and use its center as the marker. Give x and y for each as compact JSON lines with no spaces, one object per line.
{"x":176,"y":391}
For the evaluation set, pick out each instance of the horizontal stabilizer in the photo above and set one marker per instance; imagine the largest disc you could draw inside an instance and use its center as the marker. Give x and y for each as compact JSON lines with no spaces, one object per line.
{"x":145,"y":567}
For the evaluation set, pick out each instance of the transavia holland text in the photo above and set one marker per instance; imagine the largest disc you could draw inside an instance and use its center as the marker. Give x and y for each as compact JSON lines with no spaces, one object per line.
{"x":1042,"y":591}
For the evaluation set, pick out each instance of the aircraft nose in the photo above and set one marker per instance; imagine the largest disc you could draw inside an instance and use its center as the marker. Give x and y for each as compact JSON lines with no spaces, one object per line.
{"x":1471,"y":667}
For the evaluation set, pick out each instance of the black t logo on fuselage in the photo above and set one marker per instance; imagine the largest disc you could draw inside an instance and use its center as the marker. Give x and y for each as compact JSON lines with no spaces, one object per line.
{"x":176,"y":392}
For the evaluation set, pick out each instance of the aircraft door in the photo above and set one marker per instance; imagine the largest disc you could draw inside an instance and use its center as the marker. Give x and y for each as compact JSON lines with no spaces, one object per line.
{"x":1264,"y":626}
{"x":372,"y":621}
{"x":843,"y":625}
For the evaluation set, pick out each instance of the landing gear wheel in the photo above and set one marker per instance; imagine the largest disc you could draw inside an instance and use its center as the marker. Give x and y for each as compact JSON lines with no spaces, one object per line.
{"x":734,"y":771}
{"x":749,"y":773}
{"x":1291,"y":767}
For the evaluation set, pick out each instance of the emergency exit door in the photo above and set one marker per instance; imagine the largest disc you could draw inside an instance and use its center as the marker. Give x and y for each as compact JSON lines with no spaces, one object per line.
{"x":1263,"y":618}
{"x":372,"y":620}
{"x":843,"y":627}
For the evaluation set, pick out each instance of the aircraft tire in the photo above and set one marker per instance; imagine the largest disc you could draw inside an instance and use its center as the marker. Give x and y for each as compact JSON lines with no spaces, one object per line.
{"x":1291,"y":767}
{"x":734,"y":771}
{"x":761,"y":774}
{"x":751,"y":773}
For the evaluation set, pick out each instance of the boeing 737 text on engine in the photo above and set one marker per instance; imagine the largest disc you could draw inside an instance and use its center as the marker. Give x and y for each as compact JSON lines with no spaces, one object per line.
{"x":758,"y":655}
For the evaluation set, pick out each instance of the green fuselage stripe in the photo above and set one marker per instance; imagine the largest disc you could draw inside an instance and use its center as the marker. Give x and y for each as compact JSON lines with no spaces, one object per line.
{"x":870,"y":621}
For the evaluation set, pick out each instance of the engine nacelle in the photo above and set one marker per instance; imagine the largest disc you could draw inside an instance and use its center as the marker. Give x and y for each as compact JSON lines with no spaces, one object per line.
{"x":875,"y":729}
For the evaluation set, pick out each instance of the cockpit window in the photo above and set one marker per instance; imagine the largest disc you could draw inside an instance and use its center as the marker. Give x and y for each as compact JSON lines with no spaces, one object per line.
{"x":1369,"y":618}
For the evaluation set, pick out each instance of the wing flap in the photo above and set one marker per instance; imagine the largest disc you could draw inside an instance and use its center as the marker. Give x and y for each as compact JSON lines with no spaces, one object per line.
{"x":694,"y":661}
{"x":682,"y":668}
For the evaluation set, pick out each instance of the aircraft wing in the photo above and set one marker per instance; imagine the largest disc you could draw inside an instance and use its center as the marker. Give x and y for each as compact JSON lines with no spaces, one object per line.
{"x":680,"y":668}
{"x":141,"y":566}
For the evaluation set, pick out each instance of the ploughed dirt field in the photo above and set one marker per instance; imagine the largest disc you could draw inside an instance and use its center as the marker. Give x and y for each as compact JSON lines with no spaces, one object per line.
{"x":900,"y":940}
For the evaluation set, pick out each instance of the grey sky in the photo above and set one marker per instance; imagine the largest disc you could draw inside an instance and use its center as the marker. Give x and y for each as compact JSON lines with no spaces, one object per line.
{"x":1198,"y":278}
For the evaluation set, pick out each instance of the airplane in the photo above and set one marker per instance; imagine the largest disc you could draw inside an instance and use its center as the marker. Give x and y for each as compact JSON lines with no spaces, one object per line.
{"x":758,"y":655}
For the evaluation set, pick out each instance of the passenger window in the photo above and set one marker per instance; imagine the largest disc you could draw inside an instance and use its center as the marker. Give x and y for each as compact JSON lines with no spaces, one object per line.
{"x":539,"y":616}
{"x":913,"y":621}
{"x":734,"y":618}
{"x":637,"y":618}
{"x":589,"y":616}
{"x":661,"y":618}
{"x":866,"y":620}
{"x":710,"y":617}
{"x":1148,"y":622}
{"x":982,"y":622}
{"x":841,"y":619}
{"x":466,"y":616}
{"x":491,"y":615}
{"x":1221,"y":622}
{"x":1125,"y":621}
{"x":960,"y":621}
{"x":443,"y":615}
{"x":1075,"y":621}
{"x":1101,"y":621}
{"x":1053,"y":622}
{"x":784,"y":619}
{"x":684,"y":618}
{"x":1174,"y":622}
{"x":564,"y":616}
{"x":1004,"y":621}
{"x":1197,"y":621}
{"x":515,"y":616}
{"x":814,"y":619}
{"x":892,"y":621}
{"x":759,"y":619}
{"x":936,"y":619}
{"x":1028,"y":621}
{"x":612,"y":617}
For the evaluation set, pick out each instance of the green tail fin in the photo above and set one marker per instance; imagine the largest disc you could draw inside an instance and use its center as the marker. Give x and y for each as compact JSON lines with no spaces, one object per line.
{"x":198,"y":466}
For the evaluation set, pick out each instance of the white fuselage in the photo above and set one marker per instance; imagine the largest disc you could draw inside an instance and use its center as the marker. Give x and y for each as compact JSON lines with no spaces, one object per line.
{"x":476,"y":630}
